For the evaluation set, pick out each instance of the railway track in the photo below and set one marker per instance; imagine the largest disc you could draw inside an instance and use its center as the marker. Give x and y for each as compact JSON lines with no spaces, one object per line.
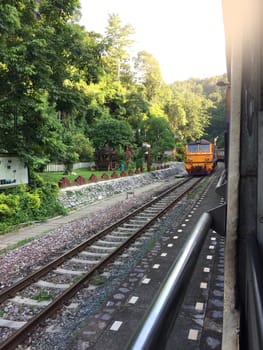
{"x":39,"y":295}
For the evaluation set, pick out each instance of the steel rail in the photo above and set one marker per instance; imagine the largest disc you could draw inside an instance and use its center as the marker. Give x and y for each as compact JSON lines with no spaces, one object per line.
{"x":16,"y":287}
{"x":18,"y":336}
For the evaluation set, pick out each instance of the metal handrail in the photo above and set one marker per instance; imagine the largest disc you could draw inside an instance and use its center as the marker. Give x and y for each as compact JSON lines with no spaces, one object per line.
{"x":252,"y":305}
{"x":155,"y":328}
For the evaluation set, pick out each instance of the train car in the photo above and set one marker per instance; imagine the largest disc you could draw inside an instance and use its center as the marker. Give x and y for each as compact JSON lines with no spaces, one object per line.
{"x":200,"y":157}
{"x":220,"y":152}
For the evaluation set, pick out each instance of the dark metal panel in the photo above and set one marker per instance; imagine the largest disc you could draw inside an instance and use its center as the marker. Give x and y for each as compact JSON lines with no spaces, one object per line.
{"x":247,"y":206}
{"x":249,"y":141}
{"x":252,"y":307}
{"x":219,"y":219}
{"x":260,"y":181}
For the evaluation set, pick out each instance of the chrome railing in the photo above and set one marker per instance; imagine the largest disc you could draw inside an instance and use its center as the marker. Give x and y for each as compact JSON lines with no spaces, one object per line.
{"x":155,"y":328}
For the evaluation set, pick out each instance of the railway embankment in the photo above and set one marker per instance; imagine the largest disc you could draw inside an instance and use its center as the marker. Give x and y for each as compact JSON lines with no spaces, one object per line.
{"x":89,"y":203}
{"x":77,"y":196}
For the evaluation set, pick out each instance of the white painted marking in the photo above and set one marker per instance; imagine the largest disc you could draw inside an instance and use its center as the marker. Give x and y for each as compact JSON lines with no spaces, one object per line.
{"x":206,"y":269}
{"x":28,"y":301}
{"x":193,"y":334}
{"x":146,"y":280}
{"x":211,"y":247}
{"x":170,"y":245}
{"x":72,"y":306}
{"x":183,"y":225}
{"x":11,"y":324}
{"x":175,"y":237}
{"x":116,"y":326}
{"x":164,"y":254}
{"x":156,"y":266}
{"x":209,"y":257}
{"x":51,"y":329}
{"x":69,"y":272}
{"x":133,"y":300}
{"x":180,"y":230}
{"x":199,"y":306}
{"x":203,"y":285}
{"x":186,"y":220}
{"x":190,"y":215}
{"x":42,"y":283}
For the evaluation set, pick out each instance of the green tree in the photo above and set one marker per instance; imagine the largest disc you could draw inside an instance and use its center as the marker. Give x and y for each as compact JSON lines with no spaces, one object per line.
{"x":82,"y":146}
{"x":191,"y":112}
{"x":115,"y":97}
{"x":148,"y":73}
{"x":46,"y":62}
{"x":217,"y":125}
{"x":217,"y":96}
{"x":111,"y":132}
{"x":137,"y":108}
{"x":158,"y":133}
{"x":117,"y":43}
{"x":176,"y":115}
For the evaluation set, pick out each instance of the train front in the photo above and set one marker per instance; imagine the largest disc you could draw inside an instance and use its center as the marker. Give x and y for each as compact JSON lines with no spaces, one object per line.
{"x":200,"y":157}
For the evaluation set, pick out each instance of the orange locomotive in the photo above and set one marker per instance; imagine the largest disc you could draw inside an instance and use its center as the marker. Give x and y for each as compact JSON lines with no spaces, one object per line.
{"x":200,"y":157}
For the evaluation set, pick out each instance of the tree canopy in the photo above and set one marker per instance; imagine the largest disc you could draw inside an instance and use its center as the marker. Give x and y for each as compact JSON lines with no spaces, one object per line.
{"x":111,"y":132}
{"x":66,"y":92}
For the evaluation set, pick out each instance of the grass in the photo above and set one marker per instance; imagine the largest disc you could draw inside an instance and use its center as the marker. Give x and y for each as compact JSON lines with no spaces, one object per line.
{"x":16,"y":245}
{"x":42,"y":296}
{"x":54,"y":177}
{"x":97,"y":279}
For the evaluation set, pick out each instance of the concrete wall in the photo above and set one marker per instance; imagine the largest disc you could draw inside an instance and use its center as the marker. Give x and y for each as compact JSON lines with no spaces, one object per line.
{"x":61,"y":167}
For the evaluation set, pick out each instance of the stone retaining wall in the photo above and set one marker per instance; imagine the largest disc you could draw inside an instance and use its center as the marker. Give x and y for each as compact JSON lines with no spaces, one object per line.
{"x":76,"y":196}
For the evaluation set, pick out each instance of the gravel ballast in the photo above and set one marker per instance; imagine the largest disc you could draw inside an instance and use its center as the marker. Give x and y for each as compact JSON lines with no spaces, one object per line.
{"x":16,"y":263}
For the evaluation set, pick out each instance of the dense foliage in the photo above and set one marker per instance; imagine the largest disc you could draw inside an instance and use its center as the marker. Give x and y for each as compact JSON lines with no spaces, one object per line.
{"x":61,"y":83}
{"x":26,"y":204}
{"x":66,"y":92}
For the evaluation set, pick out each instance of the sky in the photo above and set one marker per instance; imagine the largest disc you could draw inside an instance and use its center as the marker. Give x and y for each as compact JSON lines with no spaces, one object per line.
{"x":185,"y":36}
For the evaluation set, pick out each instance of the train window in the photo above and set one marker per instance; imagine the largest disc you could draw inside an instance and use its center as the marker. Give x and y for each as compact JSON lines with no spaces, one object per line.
{"x":204,"y":148}
{"x":192,"y":148}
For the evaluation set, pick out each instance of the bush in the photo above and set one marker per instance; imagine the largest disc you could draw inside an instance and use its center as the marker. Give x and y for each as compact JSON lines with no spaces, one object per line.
{"x":29,"y":201}
{"x":5,"y":210}
{"x":50,"y":205}
{"x":9,"y":203}
{"x":24,"y":205}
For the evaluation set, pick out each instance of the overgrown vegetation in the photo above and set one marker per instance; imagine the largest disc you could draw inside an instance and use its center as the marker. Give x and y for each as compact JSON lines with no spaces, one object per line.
{"x":97,"y":279}
{"x":67,"y":92}
{"x":17,"y":244}
{"x":24,"y":204}
{"x":42,"y":296}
